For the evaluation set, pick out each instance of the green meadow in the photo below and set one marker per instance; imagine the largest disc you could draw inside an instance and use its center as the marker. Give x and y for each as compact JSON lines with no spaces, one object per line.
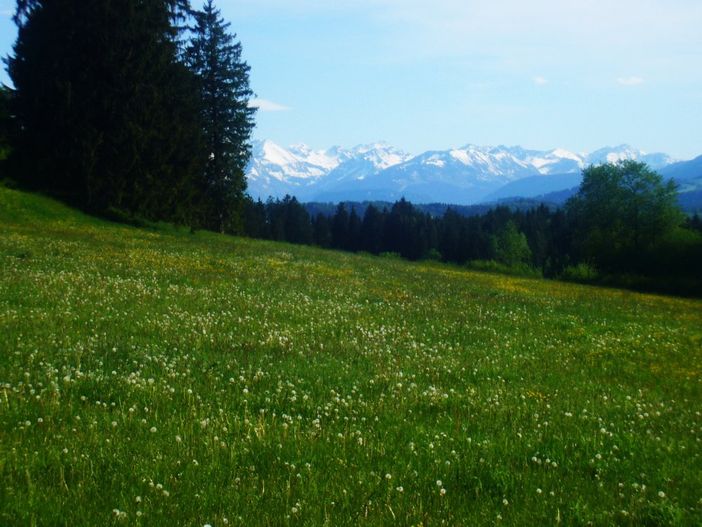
{"x":151,"y":376}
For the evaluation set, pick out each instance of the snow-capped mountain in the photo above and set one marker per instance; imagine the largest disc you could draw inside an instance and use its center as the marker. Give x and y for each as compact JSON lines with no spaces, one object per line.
{"x":556,"y":161}
{"x":626,"y":152}
{"x":303,"y":172}
{"x":276,"y":171}
{"x":461,"y":175}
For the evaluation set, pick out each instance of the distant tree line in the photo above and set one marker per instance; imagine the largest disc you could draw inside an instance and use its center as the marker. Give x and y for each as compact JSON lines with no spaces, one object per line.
{"x":130,"y":106}
{"x":537,"y":237}
{"x":624,"y":221}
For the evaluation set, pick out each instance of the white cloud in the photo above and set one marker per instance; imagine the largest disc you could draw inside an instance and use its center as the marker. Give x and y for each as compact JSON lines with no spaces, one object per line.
{"x":539,"y":80}
{"x":630,"y":81}
{"x":268,"y":106}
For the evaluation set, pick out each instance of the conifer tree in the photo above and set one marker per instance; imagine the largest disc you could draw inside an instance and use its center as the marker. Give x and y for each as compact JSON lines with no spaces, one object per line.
{"x":5,"y":124}
{"x":372,"y":230}
{"x":255,"y":225}
{"x":353,"y":242}
{"x":107,"y":115}
{"x":215,"y":57}
{"x":322,"y":231}
{"x":340,"y":227}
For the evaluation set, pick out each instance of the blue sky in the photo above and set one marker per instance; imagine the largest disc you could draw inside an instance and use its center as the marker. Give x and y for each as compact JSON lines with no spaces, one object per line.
{"x":577,"y":74}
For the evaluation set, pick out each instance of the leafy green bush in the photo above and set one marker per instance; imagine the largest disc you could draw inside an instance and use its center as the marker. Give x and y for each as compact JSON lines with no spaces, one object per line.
{"x":434,"y":255}
{"x":580,"y":273}
{"x":516,"y":269}
{"x":510,"y":246}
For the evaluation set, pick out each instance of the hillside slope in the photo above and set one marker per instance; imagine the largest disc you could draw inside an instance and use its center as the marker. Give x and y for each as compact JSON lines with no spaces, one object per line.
{"x":156,"y":377}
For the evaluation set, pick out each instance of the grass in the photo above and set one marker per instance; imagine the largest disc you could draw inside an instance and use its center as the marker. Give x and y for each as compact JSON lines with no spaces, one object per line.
{"x":155,"y":377}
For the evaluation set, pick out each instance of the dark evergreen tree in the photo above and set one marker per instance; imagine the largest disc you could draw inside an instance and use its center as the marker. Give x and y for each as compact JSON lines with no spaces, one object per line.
{"x":450,"y":239}
{"x":353,"y":242}
{"x":215,"y":57}
{"x":5,"y":125}
{"x":107,"y":116}
{"x":428,"y":238}
{"x":559,"y":254}
{"x":322,"y":230}
{"x":397,"y":227}
{"x":372,"y":230}
{"x":406,"y":231}
{"x":476,"y":233}
{"x":255,"y":225}
{"x":275,"y":218}
{"x":340,"y":227}
{"x":694,"y":222}
{"x":298,"y":228}
{"x":535,"y":225}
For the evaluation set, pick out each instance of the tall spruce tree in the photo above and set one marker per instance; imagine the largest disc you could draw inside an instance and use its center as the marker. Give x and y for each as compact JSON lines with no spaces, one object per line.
{"x":214,"y":56}
{"x":107,"y":115}
{"x":5,"y":125}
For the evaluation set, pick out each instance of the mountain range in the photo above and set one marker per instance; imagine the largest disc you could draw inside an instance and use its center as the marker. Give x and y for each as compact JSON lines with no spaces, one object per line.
{"x":466,"y":175}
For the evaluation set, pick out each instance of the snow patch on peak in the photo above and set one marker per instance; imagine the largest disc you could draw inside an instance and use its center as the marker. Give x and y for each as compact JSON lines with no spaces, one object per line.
{"x":380,"y":155}
{"x":565,"y":154}
{"x":277,"y":155}
{"x":434,"y":161}
{"x":461,"y":155}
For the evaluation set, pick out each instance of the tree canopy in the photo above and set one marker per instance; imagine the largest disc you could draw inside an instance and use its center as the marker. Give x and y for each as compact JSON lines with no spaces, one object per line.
{"x":621,"y":211}
{"x":509,"y":246}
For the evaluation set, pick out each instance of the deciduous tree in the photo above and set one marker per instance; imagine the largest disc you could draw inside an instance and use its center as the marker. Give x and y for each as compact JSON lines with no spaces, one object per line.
{"x":622,"y":210}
